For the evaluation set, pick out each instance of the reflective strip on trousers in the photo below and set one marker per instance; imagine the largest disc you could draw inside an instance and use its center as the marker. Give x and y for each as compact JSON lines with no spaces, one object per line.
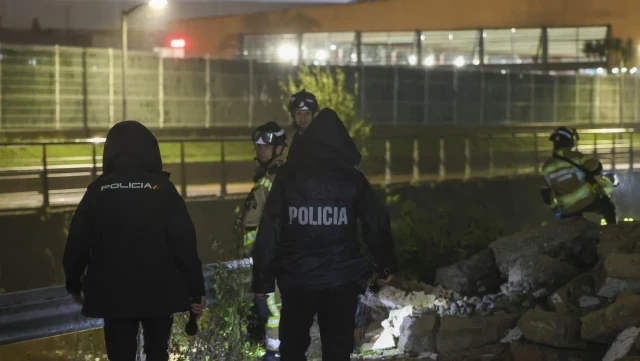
{"x":274,"y":319}
{"x":250,"y":237}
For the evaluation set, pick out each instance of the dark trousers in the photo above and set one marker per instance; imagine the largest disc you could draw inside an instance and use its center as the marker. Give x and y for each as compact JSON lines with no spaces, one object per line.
{"x":602,"y":205}
{"x":335,"y":307}
{"x":121,"y":337}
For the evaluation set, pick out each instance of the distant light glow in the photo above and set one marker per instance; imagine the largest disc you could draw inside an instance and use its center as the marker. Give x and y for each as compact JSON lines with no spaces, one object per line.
{"x":354,"y":57}
{"x":158,"y":4}
{"x":321,"y":55}
{"x":459,"y":62}
{"x":333,"y":47}
{"x":450,"y":36}
{"x":484,"y":34}
{"x":503,"y":71}
{"x":513,"y":30}
{"x":178,"y":43}
{"x":287,"y":52}
{"x":413,"y":59}
{"x":600,"y":71}
{"x":97,"y":140}
{"x":476,"y":61}
{"x":615,"y":70}
{"x":429,"y":60}
{"x":422,"y":37}
{"x":633,"y":70}
{"x":624,"y":70}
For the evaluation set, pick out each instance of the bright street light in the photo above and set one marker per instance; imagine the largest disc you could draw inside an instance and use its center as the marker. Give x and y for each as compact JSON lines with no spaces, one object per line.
{"x":155,"y":4}
{"x":158,"y":4}
{"x":459,"y":62}
{"x":287,"y":52}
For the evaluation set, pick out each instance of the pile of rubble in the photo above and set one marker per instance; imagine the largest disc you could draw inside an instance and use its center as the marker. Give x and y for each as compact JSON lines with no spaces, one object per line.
{"x":565,"y":291}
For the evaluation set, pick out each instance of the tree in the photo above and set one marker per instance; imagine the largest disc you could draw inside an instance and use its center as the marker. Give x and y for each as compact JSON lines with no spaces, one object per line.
{"x":622,"y":52}
{"x":331,"y":90}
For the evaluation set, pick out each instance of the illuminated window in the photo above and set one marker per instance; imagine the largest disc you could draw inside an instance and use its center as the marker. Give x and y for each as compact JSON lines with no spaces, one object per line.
{"x":459,"y":48}
{"x":566,"y":44}
{"x":329,"y":48}
{"x":389,"y":48}
{"x":281,"y":48}
{"x":512,"y":46}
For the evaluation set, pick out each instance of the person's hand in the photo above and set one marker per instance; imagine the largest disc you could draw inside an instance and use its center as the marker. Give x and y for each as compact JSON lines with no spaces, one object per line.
{"x":262,"y":296}
{"x":197,"y":308}
{"x":385,"y":281}
{"x":78,"y":299}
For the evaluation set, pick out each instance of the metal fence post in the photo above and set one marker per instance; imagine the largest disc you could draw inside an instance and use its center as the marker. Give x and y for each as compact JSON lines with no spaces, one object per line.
{"x":160,"y":92}
{"x":251,"y":86}
{"x":94,"y":162}
{"x":482,"y":86}
{"x":223,"y":171}
{"x":111,"y":89}
{"x":442,"y":172}
{"x":183,"y":172}
{"x":555,"y":98}
{"x":536,"y":155}
{"x":45,"y":178}
{"x":491,"y":162}
{"x":454,"y":101}
{"x":508,"y":103}
{"x":631,"y":155}
{"x":577,"y":105}
{"x":387,"y":162}
{"x":207,"y":92}
{"x":425,"y":105}
{"x":532,"y":98}
{"x":595,"y":144}
{"x":416,"y":161}
{"x":596,"y":100}
{"x":621,"y":98}
{"x":57,"y":85}
{"x":514,"y":168}
{"x":467,"y":159}
{"x":613,"y":151}
{"x":396,"y":85}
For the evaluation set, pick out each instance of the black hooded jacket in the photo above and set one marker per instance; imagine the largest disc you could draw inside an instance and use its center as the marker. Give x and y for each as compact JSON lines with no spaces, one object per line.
{"x":308,"y":235}
{"x":132,"y":235}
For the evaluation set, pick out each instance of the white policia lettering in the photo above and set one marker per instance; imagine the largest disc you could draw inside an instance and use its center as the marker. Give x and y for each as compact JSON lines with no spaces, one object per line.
{"x":319,"y":216}
{"x":126,"y":186}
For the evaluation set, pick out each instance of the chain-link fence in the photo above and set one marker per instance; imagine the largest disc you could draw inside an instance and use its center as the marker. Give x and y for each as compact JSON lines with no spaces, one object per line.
{"x":56,"y":87}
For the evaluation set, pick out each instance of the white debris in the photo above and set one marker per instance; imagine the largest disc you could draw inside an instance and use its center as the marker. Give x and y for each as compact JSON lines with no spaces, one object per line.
{"x":622,"y":345}
{"x":396,"y":317}
{"x":385,"y":341}
{"x":513,"y":335}
{"x":540,"y":293}
{"x":556,"y":299}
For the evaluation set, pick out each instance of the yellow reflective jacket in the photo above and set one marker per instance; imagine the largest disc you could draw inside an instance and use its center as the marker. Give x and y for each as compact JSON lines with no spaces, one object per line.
{"x":572,"y":188}
{"x":251,"y":213}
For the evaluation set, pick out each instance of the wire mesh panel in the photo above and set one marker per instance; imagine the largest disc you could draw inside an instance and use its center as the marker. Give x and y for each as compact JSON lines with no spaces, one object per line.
{"x":185,"y":85}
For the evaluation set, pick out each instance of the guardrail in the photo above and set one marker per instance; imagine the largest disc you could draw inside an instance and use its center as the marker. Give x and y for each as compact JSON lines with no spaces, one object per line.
{"x":46,"y":312}
{"x":477,"y":154}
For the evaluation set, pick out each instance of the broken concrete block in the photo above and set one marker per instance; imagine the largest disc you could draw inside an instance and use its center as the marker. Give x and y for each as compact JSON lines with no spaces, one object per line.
{"x":385,"y":341}
{"x":626,"y":266}
{"x":605,"y":324}
{"x":396,"y":317}
{"x":460,"y":333}
{"x":571,"y":240}
{"x":477,"y":275}
{"x":622,"y":237}
{"x":551,"y":329}
{"x":418,"y":334}
{"x":540,"y":270}
{"x":622,"y":345}
{"x":513,"y":335}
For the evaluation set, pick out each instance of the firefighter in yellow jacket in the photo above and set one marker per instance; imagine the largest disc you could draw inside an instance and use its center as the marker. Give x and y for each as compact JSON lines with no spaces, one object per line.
{"x":270,"y":141}
{"x":572,"y":182}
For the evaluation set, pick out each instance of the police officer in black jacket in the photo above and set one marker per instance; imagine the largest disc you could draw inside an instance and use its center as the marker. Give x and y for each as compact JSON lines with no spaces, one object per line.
{"x":131,"y":255}
{"x":308,"y":240}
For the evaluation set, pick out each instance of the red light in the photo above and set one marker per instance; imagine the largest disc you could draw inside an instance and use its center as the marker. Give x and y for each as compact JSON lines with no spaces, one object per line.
{"x":178,"y":43}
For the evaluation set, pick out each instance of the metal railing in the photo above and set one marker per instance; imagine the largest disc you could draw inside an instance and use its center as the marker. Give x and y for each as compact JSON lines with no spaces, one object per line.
{"x":391,"y":160}
{"x":46,"y":312}
{"x":61,"y":87}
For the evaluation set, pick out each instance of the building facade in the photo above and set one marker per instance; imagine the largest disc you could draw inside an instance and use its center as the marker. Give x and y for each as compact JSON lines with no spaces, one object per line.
{"x":538,"y":34}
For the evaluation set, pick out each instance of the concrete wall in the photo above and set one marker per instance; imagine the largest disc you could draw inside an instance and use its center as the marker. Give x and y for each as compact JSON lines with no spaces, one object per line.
{"x":408,"y":15}
{"x":32,"y":245}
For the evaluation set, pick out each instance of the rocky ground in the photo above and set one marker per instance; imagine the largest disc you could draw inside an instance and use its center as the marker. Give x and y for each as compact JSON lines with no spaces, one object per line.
{"x":565,"y":291}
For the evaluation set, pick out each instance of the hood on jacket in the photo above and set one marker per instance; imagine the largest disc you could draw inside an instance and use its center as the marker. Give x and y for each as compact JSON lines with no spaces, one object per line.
{"x":131,"y":144}
{"x":326,"y":138}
